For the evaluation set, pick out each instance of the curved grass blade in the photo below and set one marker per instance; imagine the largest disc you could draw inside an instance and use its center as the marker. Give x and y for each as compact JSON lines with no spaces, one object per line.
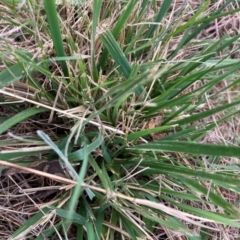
{"x":19,"y":117}
{"x":47,"y":140}
{"x":189,"y":25}
{"x":119,"y":57}
{"x":123,"y":89}
{"x":50,"y":143}
{"x":78,"y":189}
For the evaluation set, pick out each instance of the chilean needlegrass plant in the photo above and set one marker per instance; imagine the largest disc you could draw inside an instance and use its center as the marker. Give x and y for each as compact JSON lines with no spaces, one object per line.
{"x":120,"y":93}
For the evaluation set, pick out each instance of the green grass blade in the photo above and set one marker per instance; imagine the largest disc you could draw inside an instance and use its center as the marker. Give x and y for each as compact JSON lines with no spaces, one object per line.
{"x":102,"y":173}
{"x":188,"y":26}
{"x":33,"y":221}
{"x":219,"y":218}
{"x":150,"y":33}
{"x":11,"y":75}
{"x":205,"y":114}
{"x":214,"y":198}
{"x":117,"y":29}
{"x":19,"y":154}
{"x":136,"y":135}
{"x":52,"y":16}
{"x":90,"y":230}
{"x":79,"y":154}
{"x":74,"y":217}
{"x":116,"y":52}
{"x":121,"y":91}
{"x":162,"y":12}
{"x":49,"y":231}
{"x":129,"y":227}
{"x":49,"y":142}
{"x":19,"y":117}
{"x":96,"y":12}
{"x":189,"y":147}
{"x":90,"y":224}
{"x":149,"y":61}
{"x":203,"y":25}
{"x":159,"y":167}
{"x":78,"y":189}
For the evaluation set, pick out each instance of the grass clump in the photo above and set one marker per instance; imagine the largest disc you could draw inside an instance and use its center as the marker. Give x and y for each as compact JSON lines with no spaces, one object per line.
{"x":129,"y":97}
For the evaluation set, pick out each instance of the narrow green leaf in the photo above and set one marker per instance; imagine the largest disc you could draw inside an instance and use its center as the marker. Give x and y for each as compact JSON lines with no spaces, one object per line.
{"x":129,"y":227}
{"x":19,"y":154}
{"x":226,"y":219}
{"x":205,"y":114}
{"x":149,"y":35}
{"x":10,"y":75}
{"x":189,"y":147}
{"x":218,"y":15}
{"x":100,"y":218}
{"x":102,"y":173}
{"x":214,"y":198}
{"x":91,"y":235}
{"x":136,"y":135}
{"x":117,"y":28}
{"x":33,"y":221}
{"x":74,"y":217}
{"x":169,"y":222}
{"x":48,"y":232}
{"x":105,"y":153}
{"x":116,"y":52}
{"x":205,"y":234}
{"x":79,"y":154}
{"x":162,"y":12}
{"x":19,"y":117}
{"x":52,"y":16}
{"x":78,"y":189}
{"x":155,"y":186}
{"x":188,"y":27}
{"x":204,"y":24}
{"x":50,"y":143}
{"x":96,"y":12}
{"x":158,"y":167}
{"x":209,"y":52}
{"x":124,"y":88}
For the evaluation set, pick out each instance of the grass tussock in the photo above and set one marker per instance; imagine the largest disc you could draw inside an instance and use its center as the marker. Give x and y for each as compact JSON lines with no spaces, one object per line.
{"x":119,"y":119}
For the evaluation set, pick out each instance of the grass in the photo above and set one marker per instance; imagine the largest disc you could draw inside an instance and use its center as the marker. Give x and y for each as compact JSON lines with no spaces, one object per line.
{"x":136,"y":100}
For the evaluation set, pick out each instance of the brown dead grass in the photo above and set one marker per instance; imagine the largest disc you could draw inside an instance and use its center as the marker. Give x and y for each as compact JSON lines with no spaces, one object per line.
{"x":18,"y":206}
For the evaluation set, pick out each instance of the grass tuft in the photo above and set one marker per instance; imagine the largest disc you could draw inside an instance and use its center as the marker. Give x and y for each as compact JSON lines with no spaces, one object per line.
{"x":119,"y":119}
